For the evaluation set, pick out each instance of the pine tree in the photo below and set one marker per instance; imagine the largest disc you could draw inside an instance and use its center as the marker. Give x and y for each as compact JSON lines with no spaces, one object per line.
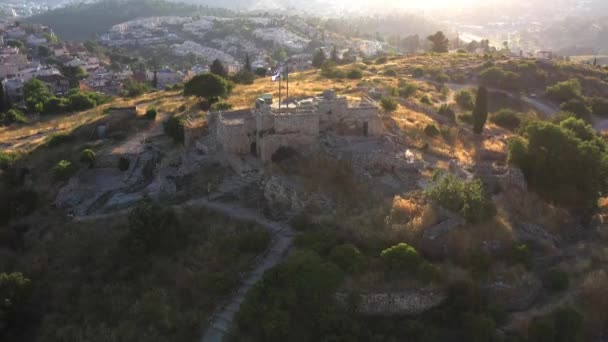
{"x":480,"y":113}
{"x":439,"y":41}
{"x":218,"y":68}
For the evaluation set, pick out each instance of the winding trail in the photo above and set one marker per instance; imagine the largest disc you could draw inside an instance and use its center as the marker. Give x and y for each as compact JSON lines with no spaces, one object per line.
{"x":282,"y":236}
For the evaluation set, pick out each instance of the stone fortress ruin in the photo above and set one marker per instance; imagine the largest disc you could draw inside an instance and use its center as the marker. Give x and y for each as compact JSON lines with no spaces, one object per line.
{"x":262,"y":130}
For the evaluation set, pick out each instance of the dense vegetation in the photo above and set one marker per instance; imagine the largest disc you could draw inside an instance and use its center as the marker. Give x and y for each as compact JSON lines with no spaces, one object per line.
{"x":155,"y":277}
{"x":566,"y":162}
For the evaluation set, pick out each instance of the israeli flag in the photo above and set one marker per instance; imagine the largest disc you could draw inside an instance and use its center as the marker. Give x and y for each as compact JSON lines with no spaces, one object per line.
{"x":277,"y":75}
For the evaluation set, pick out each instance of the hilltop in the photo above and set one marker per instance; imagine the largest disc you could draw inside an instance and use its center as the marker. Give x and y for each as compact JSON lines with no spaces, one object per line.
{"x":86,"y":21}
{"x":136,"y":218}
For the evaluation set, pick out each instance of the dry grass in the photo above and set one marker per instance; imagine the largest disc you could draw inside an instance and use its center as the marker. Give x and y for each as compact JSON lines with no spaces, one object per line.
{"x":25,"y":138}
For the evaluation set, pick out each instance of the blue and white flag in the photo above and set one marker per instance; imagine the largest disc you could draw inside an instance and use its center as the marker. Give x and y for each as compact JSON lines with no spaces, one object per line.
{"x":277,"y":75}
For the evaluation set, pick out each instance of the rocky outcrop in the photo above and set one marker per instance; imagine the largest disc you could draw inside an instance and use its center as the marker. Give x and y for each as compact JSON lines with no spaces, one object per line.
{"x":533,"y":233}
{"x":514,"y":293}
{"x":410,"y":302}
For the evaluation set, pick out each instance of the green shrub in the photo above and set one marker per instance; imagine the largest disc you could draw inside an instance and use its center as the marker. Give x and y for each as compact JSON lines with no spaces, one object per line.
{"x":562,"y":325}
{"x":123,"y":164}
{"x":465,"y":197}
{"x":578,"y":107}
{"x":63,"y":170}
{"x":506,"y":118}
{"x":153,"y":228}
{"x":542,"y":329}
{"x":599,"y":106}
{"x":181,"y":108}
{"x":354,"y":74}
{"x":556,"y":280}
{"x":15,"y":292}
{"x":348,"y":258}
{"x":479,"y":328}
{"x":12,"y":116}
{"x":330,"y":69}
{"x":390,"y":72}
{"x":447,"y":111}
{"x":407,"y":90}
{"x":174,"y":127}
{"x":573,"y":159}
{"x":80,"y":101}
{"x":428,"y":273}
{"x":388,"y":104}
{"x":381,"y":60}
{"x":520,"y":254}
{"x":6,"y":160}
{"x":565,"y":91}
{"x":465,"y":99}
{"x":466,"y":117}
{"x":418,"y":72}
{"x":431,"y":130}
{"x":151,"y":114}
{"x":401,"y":257}
{"x":57,"y":139}
{"x":87,"y":156}
{"x":221,"y":106}
{"x":426,"y":99}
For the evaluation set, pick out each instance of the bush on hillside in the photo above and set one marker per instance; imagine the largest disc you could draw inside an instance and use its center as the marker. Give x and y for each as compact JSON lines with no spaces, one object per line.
{"x":6,"y":160}
{"x":578,"y":107}
{"x":123,"y":164}
{"x":57,"y":139}
{"x":174,"y":127}
{"x":466,"y":117}
{"x":87,"y":156}
{"x":221,"y":106}
{"x":431,"y":130}
{"x":390,"y":72}
{"x":506,"y":118}
{"x":354,"y":74}
{"x":388,"y":104}
{"x":574,"y":162}
{"x":152,"y":229}
{"x":565,"y":91}
{"x":330,"y":69}
{"x":465,"y":197}
{"x":63,"y":170}
{"x":407,"y":90}
{"x":426,"y":99}
{"x":599,"y":106}
{"x":150,"y":114}
{"x":465,"y":99}
{"x":447,"y":111}
{"x":401,"y":257}
{"x":12,"y":116}
{"x":418,"y":72}
{"x":348,"y":258}
{"x":381,"y":60}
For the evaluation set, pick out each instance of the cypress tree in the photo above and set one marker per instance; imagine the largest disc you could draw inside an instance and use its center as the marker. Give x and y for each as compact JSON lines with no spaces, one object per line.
{"x":480,"y":113}
{"x":3,"y":102}
{"x":247,"y":63}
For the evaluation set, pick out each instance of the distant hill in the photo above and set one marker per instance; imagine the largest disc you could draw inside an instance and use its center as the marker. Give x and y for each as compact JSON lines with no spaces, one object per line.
{"x":84,"y":21}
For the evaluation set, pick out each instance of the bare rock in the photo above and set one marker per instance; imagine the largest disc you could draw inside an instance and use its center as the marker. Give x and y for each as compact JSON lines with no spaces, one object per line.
{"x":410,"y":302}
{"x":513,"y":179}
{"x":534,"y":233}
{"x":514,"y":293}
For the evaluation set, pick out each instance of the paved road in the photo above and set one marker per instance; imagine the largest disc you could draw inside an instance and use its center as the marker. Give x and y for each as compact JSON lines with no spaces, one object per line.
{"x":282,"y":236}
